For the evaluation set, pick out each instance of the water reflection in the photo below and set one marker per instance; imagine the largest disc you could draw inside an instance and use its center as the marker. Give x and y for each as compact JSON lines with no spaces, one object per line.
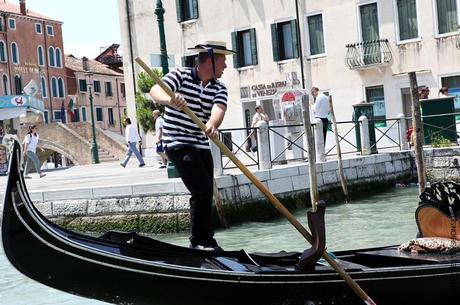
{"x":383,"y":219}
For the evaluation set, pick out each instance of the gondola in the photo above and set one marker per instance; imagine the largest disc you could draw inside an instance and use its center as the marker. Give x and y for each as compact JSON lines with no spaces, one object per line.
{"x":127,"y":268}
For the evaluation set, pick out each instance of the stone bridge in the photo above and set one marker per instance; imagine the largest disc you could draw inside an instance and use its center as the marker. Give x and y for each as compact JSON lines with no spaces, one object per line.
{"x":73,"y":140}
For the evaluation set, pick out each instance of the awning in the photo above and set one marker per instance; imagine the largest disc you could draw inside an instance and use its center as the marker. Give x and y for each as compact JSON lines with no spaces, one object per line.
{"x":15,"y":106}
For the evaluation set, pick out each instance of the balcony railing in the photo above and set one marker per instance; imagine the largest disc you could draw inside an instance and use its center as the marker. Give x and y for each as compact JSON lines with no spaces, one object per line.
{"x":368,"y":53}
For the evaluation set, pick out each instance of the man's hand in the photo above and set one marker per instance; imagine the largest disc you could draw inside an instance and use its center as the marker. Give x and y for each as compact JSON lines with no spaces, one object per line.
{"x":178,"y":102}
{"x":211,"y":130}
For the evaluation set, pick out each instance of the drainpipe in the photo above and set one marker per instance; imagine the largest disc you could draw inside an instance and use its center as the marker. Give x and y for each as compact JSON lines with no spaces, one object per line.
{"x":45,"y":55}
{"x":118,"y":107}
{"x":299,"y":39}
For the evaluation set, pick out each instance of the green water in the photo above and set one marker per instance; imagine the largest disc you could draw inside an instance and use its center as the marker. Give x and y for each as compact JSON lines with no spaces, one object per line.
{"x":383,"y":219}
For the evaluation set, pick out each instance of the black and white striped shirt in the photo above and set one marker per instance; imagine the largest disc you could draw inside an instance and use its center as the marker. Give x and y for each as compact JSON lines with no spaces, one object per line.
{"x":179,"y":130}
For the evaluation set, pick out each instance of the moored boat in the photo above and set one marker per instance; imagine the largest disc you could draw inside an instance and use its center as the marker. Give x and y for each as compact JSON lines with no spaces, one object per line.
{"x":127,"y":268}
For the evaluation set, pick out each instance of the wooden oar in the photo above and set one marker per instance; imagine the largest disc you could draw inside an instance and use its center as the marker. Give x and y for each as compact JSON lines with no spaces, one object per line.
{"x":272,"y":199}
{"x":343,"y":180}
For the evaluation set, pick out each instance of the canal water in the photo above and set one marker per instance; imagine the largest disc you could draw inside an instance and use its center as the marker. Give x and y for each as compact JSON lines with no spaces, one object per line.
{"x":383,"y":219}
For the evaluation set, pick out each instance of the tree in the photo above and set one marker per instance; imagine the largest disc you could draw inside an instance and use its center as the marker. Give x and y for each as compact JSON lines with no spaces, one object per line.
{"x":145,"y":106}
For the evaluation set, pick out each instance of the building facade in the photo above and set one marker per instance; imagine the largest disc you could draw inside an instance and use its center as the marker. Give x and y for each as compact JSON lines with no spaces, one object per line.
{"x":356,"y":50}
{"x":31,"y":48}
{"x":107,"y":89}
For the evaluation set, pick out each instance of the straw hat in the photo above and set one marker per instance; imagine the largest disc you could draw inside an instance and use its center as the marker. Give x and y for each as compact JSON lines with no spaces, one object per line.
{"x":218,"y":47}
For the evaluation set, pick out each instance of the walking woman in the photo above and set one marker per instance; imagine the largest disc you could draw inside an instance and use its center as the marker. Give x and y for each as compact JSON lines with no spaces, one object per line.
{"x":30,"y":148}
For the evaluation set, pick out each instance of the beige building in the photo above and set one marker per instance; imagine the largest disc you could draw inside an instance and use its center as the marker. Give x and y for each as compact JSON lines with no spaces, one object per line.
{"x":357,"y":50}
{"x":107,"y":88}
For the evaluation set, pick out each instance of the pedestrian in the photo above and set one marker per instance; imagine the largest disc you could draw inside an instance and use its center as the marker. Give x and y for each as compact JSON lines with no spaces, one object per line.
{"x":30,"y":148}
{"x":159,"y":122}
{"x":185,"y":144}
{"x":444,"y":92}
{"x":132,"y":139}
{"x":321,"y":109}
{"x":3,"y":159}
{"x":424,"y":92}
{"x":260,"y":115}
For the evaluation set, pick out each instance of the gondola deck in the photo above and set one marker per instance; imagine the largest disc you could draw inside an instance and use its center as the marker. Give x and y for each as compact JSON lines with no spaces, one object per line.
{"x":127,"y":268}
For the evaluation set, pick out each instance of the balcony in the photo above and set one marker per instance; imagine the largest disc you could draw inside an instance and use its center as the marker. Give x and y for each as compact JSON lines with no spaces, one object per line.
{"x":367,"y":54}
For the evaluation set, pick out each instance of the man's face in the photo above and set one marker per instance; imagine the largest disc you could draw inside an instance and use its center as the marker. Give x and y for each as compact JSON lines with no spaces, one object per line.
{"x":314,"y":93}
{"x":220,"y":65}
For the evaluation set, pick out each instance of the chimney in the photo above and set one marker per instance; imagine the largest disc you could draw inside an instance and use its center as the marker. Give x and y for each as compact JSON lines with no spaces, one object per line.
{"x":22,"y":7}
{"x":84,"y":62}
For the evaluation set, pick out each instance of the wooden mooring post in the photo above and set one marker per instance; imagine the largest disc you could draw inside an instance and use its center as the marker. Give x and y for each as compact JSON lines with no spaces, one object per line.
{"x":418,"y":130}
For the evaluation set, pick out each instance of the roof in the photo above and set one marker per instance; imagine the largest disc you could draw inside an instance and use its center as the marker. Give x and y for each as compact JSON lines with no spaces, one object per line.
{"x":76,"y":64}
{"x":14,"y":9}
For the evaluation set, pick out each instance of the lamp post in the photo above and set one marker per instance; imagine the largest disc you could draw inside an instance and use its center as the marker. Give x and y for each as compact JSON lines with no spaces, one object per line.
{"x":94,"y":149}
{"x":160,"y":11}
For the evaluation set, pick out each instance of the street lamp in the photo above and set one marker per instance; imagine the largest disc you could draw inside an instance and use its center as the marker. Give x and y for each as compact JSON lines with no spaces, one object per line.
{"x":94,"y":149}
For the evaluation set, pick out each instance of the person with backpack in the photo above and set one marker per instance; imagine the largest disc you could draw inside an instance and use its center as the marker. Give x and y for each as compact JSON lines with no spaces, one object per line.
{"x":30,"y":148}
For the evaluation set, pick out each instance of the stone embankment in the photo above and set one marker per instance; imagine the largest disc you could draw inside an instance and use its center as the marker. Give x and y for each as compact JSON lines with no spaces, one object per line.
{"x":163,"y":206}
{"x":443,"y":164}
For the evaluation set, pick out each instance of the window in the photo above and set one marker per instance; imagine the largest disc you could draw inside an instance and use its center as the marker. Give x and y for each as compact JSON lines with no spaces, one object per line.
{"x":376,"y":95}
{"x":51,"y":61}
{"x":284,"y":40}
{"x":50,"y":30}
{"x":54,"y":87}
{"x":110,"y":113}
{"x":244,"y":43}
{"x":5,"y":85}
{"x":46,"y":116}
{"x":123,"y":89}
{"x":370,"y":31}
{"x":186,"y":10}
{"x":58,"y":58}
{"x":15,"y":53}
{"x":189,"y":61}
{"x":58,"y":117}
{"x":2,"y":29}
{"x":316,"y":34}
{"x":108,"y":89}
{"x":18,"y":84}
{"x":61,"y":92}
{"x":99,"y":116}
{"x":41,"y":62}
{"x":407,"y":19}
{"x":97,"y":86}
{"x":76,"y":115}
{"x":12,"y":23}
{"x":2,"y":52}
{"x":453,"y":83}
{"x":83,"y":85}
{"x":43,"y":87}
{"x":38,"y":28}
{"x":447,"y":16}
{"x":83,"y":114}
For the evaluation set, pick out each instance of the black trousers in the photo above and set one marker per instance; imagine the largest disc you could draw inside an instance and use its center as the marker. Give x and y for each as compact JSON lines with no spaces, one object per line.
{"x":196,"y":169}
{"x":325,"y":125}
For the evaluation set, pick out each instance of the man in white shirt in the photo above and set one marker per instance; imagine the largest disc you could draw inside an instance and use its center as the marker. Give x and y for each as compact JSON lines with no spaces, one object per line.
{"x":321,"y":108}
{"x":159,"y":122}
{"x":132,"y":138}
{"x":260,"y":115}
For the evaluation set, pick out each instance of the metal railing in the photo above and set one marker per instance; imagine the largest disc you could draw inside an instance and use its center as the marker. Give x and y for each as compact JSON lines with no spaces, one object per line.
{"x":368,"y":53}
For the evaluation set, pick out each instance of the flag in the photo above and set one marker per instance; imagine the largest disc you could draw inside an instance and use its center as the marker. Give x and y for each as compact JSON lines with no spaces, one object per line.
{"x":71,"y":109}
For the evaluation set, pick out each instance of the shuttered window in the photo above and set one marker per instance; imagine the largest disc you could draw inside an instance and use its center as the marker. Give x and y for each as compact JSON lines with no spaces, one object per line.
{"x":447,"y":16}
{"x":407,"y":19}
{"x":189,"y":61}
{"x":316,"y":34}
{"x":186,"y":10}
{"x":284,"y":40}
{"x":376,"y":95}
{"x":83,"y":85}
{"x":245,"y":45}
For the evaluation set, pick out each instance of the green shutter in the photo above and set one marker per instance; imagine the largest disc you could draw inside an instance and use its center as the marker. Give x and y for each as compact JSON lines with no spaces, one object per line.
{"x":252,"y":33}
{"x":179,"y":10}
{"x":447,"y":16}
{"x":315,"y":31}
{"x":183,"y":61}
{"x":195,"y":9}
{"x":407,"y":19}
{"x":369,"y":22}
{"x":236,"y":60}
{"x":295,"y":39}
{"x":275,"y":43}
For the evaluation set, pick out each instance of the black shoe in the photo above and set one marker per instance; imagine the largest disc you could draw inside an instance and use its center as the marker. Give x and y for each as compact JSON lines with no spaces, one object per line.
{"x":142,"y":165}
{"x":162,"y":166}
{"x":122,"y":165}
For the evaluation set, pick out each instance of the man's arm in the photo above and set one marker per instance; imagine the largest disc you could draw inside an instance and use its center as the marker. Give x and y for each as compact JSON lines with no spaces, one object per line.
{"x":161,"y":97}
{"x":217,"y":116}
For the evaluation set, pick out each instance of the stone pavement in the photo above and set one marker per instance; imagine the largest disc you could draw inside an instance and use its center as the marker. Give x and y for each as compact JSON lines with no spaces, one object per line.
{"x":95,"y":175}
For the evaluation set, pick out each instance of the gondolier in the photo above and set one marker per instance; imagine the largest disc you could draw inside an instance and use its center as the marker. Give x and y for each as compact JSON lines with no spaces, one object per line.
{"x":186,"y":146}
